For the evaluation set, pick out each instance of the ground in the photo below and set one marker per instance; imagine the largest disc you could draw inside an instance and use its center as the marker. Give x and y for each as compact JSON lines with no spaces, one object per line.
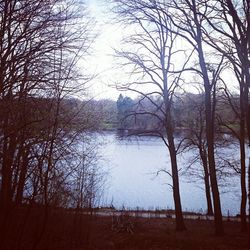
{"x":67,"y":230}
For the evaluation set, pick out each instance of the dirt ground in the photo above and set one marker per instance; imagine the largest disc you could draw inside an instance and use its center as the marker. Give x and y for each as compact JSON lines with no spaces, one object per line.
{"x":70,"y":231}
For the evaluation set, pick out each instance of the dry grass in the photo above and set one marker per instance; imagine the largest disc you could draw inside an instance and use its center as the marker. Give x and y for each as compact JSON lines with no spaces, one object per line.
{"x":69,"y":231}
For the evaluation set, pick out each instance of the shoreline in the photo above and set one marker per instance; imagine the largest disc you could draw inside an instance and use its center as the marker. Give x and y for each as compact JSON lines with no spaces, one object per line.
{"x":108,"y":212}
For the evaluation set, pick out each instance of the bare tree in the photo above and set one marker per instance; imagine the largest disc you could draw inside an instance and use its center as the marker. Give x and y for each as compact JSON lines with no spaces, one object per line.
{"x":40,"y":44}
{"x":193,"y":120}
{"x":150,"y":63}
{"x":230,"y":21}
{"x":188,"y":17}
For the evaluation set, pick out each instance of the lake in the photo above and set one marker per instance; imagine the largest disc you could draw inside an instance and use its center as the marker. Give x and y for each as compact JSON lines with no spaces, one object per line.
{"x":133,"y":181}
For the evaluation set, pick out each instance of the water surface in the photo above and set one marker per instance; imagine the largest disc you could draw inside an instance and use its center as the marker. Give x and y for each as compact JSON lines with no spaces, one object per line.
{"x":135,"y":180}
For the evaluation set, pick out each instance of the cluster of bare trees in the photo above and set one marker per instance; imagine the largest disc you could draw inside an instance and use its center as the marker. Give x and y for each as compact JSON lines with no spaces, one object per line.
{"x":176,"y":45}
{"x":41,"y":162}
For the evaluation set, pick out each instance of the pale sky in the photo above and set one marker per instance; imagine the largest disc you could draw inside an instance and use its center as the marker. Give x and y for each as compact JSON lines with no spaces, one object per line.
{"x":102,"y":61}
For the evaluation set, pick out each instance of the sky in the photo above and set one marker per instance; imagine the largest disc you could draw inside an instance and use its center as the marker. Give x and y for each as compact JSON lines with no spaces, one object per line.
{"x":101,"y":61}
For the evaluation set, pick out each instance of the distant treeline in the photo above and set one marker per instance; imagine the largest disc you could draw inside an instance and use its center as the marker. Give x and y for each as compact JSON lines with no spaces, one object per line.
{"x":144,"y":116}
{"x":124,"y":114}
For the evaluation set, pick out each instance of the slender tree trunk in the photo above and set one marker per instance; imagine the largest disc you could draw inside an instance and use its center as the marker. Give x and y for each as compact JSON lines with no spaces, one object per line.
{"x":243,"y":188}
{"x":210,"y":138}
{"x":211,"y":163}
{"x":180,"y":226}
{"x":210,"y":142}
{"x":249,"y":202}
{"x":6,"y":187}
{"x":22,"y":178}
{"x":207,"y":182}
{"x":209,"y":116}
{"x":242,"y":159}
{"x":208,"y":195}
{"x":247,"y":72}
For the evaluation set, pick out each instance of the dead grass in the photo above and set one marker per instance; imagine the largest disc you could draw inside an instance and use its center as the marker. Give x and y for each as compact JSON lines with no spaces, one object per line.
{"x":68,"y":231}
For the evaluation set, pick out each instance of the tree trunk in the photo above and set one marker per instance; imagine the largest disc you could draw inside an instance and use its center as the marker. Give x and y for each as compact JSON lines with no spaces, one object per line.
{"x":210,"y":143}
{"x":6,"y":185}
{"x":243,"y":98}
{"x":180,"y":226}
{"x":210,"y":137}
{"x":211,"y":163}
{"x":206,"y":182}
{"x":22,"y":178}
{"x":209,"y":114}
{"x":243,"y":188}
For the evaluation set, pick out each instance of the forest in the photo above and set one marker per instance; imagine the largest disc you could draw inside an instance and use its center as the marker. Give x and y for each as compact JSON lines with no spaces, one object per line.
{"x":184,"y":71}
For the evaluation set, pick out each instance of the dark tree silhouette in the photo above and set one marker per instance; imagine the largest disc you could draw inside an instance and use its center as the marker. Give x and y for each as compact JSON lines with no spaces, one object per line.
{"x":230,"y":21}
{"x":41,"y":43}
{"x":188,"y":18}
